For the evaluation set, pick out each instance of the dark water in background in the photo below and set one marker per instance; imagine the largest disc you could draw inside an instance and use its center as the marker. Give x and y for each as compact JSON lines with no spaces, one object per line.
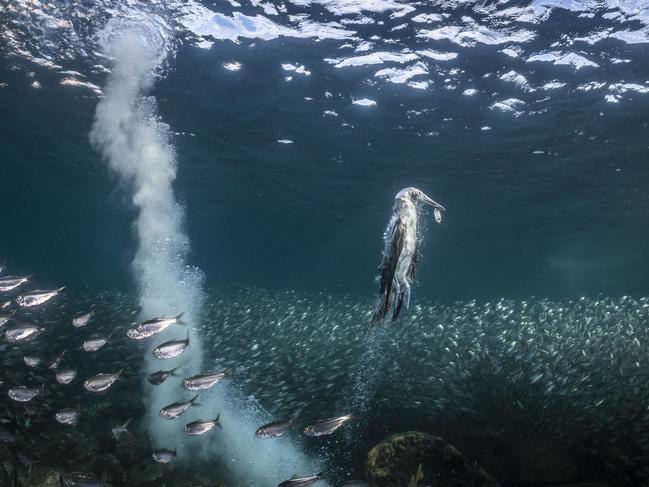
{"x":547,"y":202}
{"x":309,"y":215}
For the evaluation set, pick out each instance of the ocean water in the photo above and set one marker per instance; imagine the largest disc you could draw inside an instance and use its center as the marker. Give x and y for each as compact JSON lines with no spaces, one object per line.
{"x":238,"y":161}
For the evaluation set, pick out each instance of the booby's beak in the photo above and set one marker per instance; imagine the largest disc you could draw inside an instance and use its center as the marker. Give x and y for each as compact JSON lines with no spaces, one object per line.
{"x":432,"y":203}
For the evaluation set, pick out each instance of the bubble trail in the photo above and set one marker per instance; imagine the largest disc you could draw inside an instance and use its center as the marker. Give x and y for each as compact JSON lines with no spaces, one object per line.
{"x":137,"y":147}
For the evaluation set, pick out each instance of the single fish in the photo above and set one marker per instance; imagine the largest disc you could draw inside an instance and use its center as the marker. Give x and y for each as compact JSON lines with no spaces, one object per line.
{"x":82,"y":480}
{"x":438,"y":215}
{"x":66,"y":376}
{"x":200,"y":427}
{"x":94,"y":344}
{"x":69,"y":416}
{"x":54,"y":364}
{"x":274,"y":429}
{"x":23,"y":333}
{"x":119,"y":429}
{"x":31,"y":360}
{"x":37,"y":297}
{"x":9,"y":283}
{"x":24,"y":393}
{"x":176,"y":409}
{"x":160,"y":376}
{"x":82,"y":320}
{"x":419,"y":475}
{"x":6,"y":436}
{"x":164,"y":456}
{"x":151,"y":327}
{"x":101,"y":382}
{"x":327,"y":426}
{"x":301,"y":481}
{"x":171,"y":349}
{"x":5,"y":318}
{"x":204,"y":381}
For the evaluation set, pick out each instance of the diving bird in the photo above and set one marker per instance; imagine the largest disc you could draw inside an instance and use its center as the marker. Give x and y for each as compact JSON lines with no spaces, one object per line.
{"x":400,"y":255}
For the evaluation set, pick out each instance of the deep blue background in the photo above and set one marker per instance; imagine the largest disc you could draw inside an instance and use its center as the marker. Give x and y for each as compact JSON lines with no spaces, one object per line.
{"x":310,"y":215}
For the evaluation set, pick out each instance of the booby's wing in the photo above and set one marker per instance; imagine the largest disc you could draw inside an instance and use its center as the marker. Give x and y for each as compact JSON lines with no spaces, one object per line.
{"x":388,"y":267}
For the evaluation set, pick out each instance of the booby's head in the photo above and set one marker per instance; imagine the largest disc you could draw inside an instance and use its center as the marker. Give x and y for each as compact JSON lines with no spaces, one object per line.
{"x":417,"y":197}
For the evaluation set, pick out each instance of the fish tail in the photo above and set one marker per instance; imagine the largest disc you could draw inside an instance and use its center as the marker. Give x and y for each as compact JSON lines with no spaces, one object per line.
{"x":228,"y":372}
{"x":216,"y":421}
{"x":60,"y":289}
{"x":179,"y":318}
{"x":119,"y":372}
{"x":173,"y":371}
{"x":193,"y":400}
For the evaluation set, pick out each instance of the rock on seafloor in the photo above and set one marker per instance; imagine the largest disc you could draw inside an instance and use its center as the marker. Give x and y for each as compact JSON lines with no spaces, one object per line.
{"x":394,"y":462}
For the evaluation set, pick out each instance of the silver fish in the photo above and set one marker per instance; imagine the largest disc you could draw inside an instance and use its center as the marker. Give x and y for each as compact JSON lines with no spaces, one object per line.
{"x":37,"y":297}
{"x":9,"y":283}
{"x":23,"y":333}
{"x":327,"y":426}
{"x":31,"y":360}
{"x":24,"y":393}
{"x":119,"y":429}
{"x":160,"y":376}
{"x":82,"y":320}
{"x":94,"y":344}
{"x":69,"y":416}
{"x":164,"y":456}
{"x":301,"y":481}
{"x":204,"y":381}
{"x":100,"y":382}
{"x":5,"y":318}
{"x":171,"y":349}
{"x":200,"y":427}
{"x":54,"y":364}
{"x":151,"y":327}
{"x":82,"y":480}
{"x":66,"y":376}
{"x":438,"y":215}
{"x":176,"y":409}
{"x":274,"y":429}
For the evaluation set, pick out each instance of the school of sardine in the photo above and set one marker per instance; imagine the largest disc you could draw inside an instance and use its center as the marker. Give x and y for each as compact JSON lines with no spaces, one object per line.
{"x":585,"y":360}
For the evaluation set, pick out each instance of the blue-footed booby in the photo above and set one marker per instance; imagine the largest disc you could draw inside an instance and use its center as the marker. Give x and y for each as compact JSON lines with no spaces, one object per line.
{"x":400,"y":255}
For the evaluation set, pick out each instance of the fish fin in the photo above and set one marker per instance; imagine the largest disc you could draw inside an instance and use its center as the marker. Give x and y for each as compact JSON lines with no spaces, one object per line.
{"x":128,"y":421}
{"x":173,"y":371}
{"x":193,"y":400}
{"x":216,"y":421}
{"x":228,"y":372}
{"x":60,"y":289}
{"x":119,"y":372}
{"x":179,"y":319}
{"x":187,"y":339}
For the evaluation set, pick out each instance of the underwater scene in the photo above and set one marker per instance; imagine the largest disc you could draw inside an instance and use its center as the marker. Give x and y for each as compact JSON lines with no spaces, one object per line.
{"x":386,"y":243}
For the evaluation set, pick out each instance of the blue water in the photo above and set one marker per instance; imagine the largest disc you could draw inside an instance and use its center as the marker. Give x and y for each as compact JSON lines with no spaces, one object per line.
{"x":545,"y":195}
